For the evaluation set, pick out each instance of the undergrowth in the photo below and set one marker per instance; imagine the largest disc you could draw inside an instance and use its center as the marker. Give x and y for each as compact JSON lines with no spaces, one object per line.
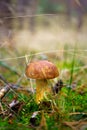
{"x":68,"y":105}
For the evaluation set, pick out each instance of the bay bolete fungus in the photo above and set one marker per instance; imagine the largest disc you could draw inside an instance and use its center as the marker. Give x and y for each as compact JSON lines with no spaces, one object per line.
{"x":41,"y":71}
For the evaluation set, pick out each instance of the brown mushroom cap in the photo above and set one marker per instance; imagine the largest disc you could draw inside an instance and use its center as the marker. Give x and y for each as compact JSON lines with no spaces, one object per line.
{"x":41,"y":70}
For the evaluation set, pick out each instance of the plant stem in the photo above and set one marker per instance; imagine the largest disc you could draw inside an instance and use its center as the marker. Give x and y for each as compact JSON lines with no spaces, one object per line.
{"x":72,"y":66}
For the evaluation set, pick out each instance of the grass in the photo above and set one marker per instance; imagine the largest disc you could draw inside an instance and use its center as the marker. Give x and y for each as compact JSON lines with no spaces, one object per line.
{"x":54,"y":110}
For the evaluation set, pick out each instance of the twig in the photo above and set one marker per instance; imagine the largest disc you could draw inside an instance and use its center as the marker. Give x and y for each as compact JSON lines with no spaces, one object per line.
{"x":77,"y":113}
{"x":11,"y":110}
{"x":13,"y":103}
{"x":75,"y":125}
{"x":2,"y":108}
{"x":70,"y":125}
{"x":14,"y":86}
{"x":16,"y":105}
{"x":4,"y":90}
{"x":5,"y":111}
{"x":81,"y":124}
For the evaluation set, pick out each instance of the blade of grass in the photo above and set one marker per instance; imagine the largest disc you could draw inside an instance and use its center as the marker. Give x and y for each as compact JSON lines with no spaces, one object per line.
{"x":12,"y":69}
{"x":72,"y":66}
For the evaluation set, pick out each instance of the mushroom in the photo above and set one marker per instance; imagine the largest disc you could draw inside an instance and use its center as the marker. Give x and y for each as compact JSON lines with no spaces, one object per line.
{"x":41,"y":71}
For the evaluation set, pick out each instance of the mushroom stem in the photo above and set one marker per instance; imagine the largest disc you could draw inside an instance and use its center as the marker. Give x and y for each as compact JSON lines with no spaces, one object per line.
{"x":41,"y":89}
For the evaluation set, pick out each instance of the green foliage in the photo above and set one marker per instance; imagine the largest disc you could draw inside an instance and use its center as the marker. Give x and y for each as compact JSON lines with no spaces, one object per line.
{"x":47,"y":6}
{"x":51,"y":123}
{"x":56,"y":110}
{"x":74,"y":102}
{"x":56,"y":107}
{"x":29,"y":107}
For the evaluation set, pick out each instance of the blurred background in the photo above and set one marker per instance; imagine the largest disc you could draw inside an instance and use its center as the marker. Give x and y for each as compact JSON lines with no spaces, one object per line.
{"x":43,"y":24}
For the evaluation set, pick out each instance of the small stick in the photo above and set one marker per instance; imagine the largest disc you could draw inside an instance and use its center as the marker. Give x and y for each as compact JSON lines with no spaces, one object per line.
{"x":77,"y":113}
{"x":4,"y":90}
{"x":13,"y":103}
{"x":81,"y":124}
{"x":70,"y":125}
{"x":2,"y":108}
